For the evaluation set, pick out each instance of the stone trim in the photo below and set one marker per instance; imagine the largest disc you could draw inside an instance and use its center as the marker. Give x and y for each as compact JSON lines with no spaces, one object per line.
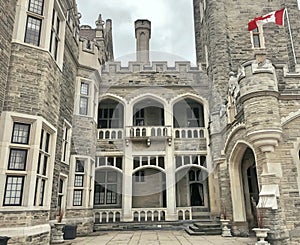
{"x":25,"y":231}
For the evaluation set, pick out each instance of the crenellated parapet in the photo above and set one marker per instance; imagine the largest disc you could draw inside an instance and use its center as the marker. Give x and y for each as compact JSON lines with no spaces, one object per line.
{"x":257,"y":98}
{"x":155,"y":66}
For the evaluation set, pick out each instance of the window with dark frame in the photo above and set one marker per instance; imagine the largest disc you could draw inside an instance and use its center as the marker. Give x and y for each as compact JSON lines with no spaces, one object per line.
{"x":77,"y":198}
{"x":21,"y":133}
{"x":42,"y":168}
{"x":66,"y":143}
{"x":256,"y":38}
{"x":17,"y":159}
{"x":60,"y":193}
{"x":54,"y":37}
{"x":84,"y":98}
{"x":78,"y":182}
{"x":106,"y":188}
{"x":36,"y":6}
{"x":33,"y":31}
{"x":13,"y":191}
{"x":79,"y":166}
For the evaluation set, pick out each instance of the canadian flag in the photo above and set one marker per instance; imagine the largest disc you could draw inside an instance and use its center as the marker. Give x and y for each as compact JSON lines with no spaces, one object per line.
{"x":276,"y":17}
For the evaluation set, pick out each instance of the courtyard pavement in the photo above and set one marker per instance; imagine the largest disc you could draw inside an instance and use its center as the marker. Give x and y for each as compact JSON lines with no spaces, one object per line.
{"x":158,"y":237}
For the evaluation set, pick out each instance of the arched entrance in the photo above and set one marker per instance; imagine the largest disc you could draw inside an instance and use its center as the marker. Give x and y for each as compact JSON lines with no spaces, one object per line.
{"x":148,"y":188}
{"x":244,"y":185}
{"x":192,"y":187}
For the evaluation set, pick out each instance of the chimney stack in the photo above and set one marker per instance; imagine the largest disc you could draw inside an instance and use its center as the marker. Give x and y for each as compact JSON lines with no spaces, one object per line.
{"x":142,"y":35}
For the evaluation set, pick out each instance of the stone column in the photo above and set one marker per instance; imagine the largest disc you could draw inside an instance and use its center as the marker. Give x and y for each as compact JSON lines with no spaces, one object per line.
{"x":127,"y":185}
{"x":170,"y":171}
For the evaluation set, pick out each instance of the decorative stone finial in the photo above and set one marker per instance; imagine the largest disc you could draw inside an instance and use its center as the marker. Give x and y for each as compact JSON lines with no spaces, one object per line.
{"x":100,"y":22}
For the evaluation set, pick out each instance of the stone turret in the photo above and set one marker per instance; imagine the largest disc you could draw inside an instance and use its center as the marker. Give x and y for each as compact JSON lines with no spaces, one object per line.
{"x":142,"y":35}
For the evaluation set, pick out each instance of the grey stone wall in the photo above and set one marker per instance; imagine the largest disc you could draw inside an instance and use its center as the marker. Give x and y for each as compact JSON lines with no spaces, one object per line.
{"x":7,"y":9}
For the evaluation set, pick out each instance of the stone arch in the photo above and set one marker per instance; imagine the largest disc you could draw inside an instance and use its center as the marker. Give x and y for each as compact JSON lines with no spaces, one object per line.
{"x":236,"y":180}
{"x":113,"y":97}
{"x":292,"y":116}
{"x":198,"y":99}
{"x":111,"y":112}
{"x":142,"y":97}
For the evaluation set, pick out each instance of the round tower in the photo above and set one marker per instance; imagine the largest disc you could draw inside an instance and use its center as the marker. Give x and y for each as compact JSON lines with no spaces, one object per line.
{"x":142,"y":35}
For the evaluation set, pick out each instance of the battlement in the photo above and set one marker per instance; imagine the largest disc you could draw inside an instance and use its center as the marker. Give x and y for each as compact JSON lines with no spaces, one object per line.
{"x":155,"y":66}
{"x":89,"y":53}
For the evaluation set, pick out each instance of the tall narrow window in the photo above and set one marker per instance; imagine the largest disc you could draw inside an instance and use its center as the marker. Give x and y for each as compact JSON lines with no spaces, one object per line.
{"x":60,"y":193}
{"x":257,"y":38}
{"x":42,"y":169}
{"x":54,"y":38}
{"x":84,"y":98}
{"x":79,"y":182}
{"x":34,"y":22}
{"x":65,"y":151}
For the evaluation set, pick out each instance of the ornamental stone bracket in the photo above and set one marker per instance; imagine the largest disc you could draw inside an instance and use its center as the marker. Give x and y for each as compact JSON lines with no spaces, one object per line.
{"x":268,"y":196}
{"x":266,"y":140}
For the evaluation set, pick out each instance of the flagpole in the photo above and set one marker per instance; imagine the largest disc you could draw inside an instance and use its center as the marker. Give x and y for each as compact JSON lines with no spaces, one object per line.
{"x":290,"y":32}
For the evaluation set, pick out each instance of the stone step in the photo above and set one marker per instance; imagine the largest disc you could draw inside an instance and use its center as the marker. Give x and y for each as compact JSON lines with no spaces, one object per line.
{"x":200,"y":209}
{"x":207,"y":228}
{"x":208,"y":225}
{"x":166,"y":225}
{"x":203,"y":233}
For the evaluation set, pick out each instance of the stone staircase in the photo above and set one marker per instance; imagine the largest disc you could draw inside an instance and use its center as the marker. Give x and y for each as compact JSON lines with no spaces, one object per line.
{"x":205,"y":227}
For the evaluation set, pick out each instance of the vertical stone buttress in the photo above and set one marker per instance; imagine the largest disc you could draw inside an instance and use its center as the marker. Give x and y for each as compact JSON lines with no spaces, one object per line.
{"x":142,"y":35}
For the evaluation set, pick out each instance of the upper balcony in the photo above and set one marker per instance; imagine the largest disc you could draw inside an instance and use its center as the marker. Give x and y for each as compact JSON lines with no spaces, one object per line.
{"x":150,"y":120}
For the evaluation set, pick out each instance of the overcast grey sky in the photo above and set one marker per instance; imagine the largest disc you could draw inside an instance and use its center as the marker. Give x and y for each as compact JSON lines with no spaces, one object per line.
{"x":171,"y":22}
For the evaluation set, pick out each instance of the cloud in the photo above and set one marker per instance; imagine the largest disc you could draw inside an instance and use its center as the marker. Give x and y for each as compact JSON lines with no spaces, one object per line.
{"x":171,"y":22}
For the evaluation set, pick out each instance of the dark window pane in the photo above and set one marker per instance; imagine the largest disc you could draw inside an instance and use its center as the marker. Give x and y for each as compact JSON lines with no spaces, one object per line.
{"x":79,"y":166}
{"x":17,"y":159}
{"x":33,"y":31}
{"x":20,"y":133}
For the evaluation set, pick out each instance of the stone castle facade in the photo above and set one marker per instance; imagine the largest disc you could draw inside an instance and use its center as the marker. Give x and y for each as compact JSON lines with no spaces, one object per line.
{"x":148,"y":144}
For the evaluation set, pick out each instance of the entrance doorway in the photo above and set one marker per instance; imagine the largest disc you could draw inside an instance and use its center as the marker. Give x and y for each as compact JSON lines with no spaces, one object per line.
{"x":250,"y":184}
{"x":196,"y":194}
{"x":196,"y":188}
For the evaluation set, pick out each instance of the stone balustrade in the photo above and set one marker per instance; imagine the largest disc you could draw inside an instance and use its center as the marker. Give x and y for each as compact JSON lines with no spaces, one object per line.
{"x":107,"y":216}
{"x":184,"y":213}
{"x":110,"y":133}
{"x":140,"y":214}
{"x":148,"y":131}
{"x":190,"y":133}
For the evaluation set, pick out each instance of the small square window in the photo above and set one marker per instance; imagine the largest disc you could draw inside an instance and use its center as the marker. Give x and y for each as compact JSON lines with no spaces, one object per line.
{"x":78,"y":181}
{"x":79,"y":166}
{"x":84,"y":88}
{"x":20,"y":133}
{"x":36,"y":6}
{"x":17,"y":159}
